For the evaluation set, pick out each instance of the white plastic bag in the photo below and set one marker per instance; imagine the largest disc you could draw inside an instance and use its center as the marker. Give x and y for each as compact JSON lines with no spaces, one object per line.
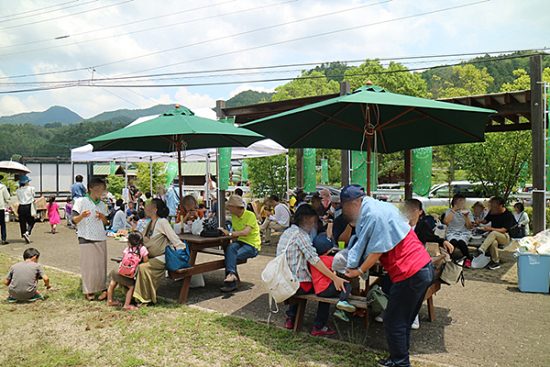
{"x":197,"y":227}
{"x":340,"y":261}
{"x":480,"y":262}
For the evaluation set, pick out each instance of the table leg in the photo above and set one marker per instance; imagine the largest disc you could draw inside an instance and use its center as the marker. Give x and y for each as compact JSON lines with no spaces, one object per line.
{"x":300,"y":313}
{"x":184,"y":292}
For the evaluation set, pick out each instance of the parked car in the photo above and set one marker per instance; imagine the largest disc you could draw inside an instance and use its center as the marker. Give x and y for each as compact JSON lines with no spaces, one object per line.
{"x":440,"y":196}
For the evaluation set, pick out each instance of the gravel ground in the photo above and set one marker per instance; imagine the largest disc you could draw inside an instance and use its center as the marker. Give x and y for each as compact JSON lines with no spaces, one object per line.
{"x":487,"y":323}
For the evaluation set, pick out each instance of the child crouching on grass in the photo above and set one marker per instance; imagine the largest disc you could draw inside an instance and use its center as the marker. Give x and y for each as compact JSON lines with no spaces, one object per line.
{"x":22,"y":279}
{"x":323,"y":285}
{"x":133,"y":255}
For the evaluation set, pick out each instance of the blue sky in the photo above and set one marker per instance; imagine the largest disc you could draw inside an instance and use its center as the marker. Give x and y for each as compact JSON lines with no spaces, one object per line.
{"x":487,"y":26}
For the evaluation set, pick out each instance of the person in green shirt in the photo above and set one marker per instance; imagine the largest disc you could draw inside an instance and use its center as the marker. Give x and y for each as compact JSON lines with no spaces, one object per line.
{"x":246,"y":240}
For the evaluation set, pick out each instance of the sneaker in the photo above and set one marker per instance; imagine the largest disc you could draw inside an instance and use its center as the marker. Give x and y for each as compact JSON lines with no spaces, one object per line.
{"x":12,"y":300}
{"x":467,"y":263}
{"x":324,"y":331}
{"x":229,"y":287}
{"x":493,"y":265}
{"x":5,"y":243}
{"x":386,"y":363}
{"x":416,"y":323}
{"x":27,"y":238}
{"x":339,"y":314}
{"x":345,"y":306}
{"x":37,"y":297}
{"x":380,"y":317}
{"x":289,"y":324}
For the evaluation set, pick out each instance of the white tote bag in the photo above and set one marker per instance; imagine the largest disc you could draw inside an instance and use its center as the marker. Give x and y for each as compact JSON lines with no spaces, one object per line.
{"x":279,"y":281}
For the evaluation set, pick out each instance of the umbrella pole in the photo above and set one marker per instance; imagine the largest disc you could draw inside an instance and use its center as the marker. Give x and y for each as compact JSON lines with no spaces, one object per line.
{"x":180,"y":178}
{"x":369,"y":157}
{"x":151,"y":175}
{"x":287,"y":178}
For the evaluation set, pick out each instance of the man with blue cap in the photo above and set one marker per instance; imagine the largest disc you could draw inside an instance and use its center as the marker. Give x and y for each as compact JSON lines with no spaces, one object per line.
{"x":384,"y":235}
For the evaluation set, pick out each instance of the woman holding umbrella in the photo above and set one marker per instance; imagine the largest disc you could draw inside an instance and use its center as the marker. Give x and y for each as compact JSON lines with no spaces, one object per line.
{"x":25,"y":196}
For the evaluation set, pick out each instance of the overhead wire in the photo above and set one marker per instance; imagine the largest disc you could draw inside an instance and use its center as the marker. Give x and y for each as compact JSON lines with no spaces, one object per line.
{"x":14,"y":16}
{"x":255,"y":47}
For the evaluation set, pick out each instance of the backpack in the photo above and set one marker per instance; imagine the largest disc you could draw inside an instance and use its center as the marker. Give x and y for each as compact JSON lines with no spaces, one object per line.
{"x":129,"y":264}
{"x":279,"y":281}
{"x":453,"y":272}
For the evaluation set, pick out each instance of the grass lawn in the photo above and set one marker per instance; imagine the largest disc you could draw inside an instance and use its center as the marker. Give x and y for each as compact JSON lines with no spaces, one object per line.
{"x":65,"y":331}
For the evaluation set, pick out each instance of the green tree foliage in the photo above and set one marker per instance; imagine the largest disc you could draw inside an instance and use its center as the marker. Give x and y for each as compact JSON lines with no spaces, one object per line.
{"x":115,"y":184}
{"x":333,"y":70}
{"x":497,"y":162}
{"x":464,"y":80}
{"x":248,"y":97}
{"x":394,"y":78}
{"x":316,"y":85}
{"x":49,"y":141}
{"x":522,"y":80}
{"x":143,"y":176}
{"x":267,"y":175}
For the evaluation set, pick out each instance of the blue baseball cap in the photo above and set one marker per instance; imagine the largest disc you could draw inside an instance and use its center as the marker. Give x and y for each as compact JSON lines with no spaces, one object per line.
{"x":322,"y":243}
{"x":351,"y":192}
{"x":24,"y":179}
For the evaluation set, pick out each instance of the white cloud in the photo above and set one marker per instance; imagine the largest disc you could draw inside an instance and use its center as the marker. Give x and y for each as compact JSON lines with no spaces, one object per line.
{"x":482,"y":27}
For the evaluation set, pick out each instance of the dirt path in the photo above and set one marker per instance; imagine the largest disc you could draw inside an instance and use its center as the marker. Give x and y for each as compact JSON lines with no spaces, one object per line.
{"x":487,"y":323}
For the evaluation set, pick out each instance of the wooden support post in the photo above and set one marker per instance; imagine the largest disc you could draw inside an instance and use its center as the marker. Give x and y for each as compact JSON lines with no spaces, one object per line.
{"x":408,"y":174}
{"x":220,"y":104}
{"x":300,"y":168}
{"x":538,"y":143}
{"x":344,"y":154}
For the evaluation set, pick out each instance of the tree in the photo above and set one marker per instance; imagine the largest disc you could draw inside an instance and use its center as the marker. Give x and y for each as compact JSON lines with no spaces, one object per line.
{"x":143,"y":182}
{"x":523,"y":81}
{"x":115,"y":184}
{"x":267,"y":175}
{"x":248,"y":97}
{"x":464,"y":80}
{"x":395,"y":78}
{"x":309,"y":83}
{"x":333,"y":70}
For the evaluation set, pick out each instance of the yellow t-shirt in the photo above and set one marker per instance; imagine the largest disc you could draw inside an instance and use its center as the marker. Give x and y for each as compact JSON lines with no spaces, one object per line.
{"x":248,"y":219}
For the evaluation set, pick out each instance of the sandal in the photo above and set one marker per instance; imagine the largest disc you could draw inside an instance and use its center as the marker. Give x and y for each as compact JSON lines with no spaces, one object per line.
{"x":103,"y":296}
{"x":89,"y":297}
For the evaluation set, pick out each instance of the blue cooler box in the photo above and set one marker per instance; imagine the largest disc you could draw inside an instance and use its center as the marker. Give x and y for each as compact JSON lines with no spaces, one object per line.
{"x":534,"y":273}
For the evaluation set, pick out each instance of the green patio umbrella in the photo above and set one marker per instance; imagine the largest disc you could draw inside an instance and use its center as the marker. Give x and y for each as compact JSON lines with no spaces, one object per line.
{"x":175,"y":131}
{"x":372,"y":119}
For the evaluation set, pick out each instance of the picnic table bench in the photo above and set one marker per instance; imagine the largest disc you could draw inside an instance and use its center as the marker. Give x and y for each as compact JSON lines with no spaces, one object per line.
{"x":208,"y":245}
{"x":360,"y":302}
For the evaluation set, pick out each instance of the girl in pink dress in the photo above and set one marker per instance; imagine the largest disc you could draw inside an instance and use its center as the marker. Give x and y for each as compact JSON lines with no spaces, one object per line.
{"x":53,"y":213}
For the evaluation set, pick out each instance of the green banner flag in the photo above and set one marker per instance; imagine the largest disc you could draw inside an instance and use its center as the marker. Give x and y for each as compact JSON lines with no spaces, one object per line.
{"x":324,"y":171}
{"x":422,"y":170}
{"x":224,"y":161}
{"x":310,"y":176}
{"x":112,"y":168}
{"x":359,"y":169}
{"x":244,"y":172}
{"x":171,"y":173}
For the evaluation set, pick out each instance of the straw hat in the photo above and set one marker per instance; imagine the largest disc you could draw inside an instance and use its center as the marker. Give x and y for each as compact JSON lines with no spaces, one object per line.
{"x":235,"y":201}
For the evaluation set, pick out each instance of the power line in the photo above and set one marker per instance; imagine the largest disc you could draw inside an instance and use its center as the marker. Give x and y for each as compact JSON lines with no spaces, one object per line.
{"x":315,"y":35}
{"x":163,"y":26}
{"x":257,"y":47}
{"x":65,"y":15}
{"x":106,"y":28}
{"x":424,"y":58}
{"x":26,"y":15}
{"x":405,"y":70}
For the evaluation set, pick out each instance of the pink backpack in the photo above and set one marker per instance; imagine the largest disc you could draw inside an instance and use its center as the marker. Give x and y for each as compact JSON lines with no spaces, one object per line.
{"x":129,"y":264}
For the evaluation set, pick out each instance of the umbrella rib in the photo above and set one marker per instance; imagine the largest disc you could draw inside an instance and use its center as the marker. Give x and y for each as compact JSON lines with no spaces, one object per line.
{"x":383,"y":140}
{"x":404,"y":122}
{"x":439,"y":121}
{"x":337,"y":122}
{"x":380,"y":127}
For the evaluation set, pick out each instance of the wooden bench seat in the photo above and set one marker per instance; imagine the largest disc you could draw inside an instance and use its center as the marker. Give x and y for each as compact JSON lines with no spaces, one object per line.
{"x":357,"y":301}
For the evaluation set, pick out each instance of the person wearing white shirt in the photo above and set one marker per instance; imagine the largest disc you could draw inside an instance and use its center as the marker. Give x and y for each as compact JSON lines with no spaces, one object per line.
{"x":25,"y":196}
{"x":4,"y":200}
{"x":279,"y":221}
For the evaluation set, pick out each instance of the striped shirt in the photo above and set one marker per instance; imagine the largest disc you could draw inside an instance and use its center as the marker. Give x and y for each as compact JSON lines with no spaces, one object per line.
{"x":300,"y":252}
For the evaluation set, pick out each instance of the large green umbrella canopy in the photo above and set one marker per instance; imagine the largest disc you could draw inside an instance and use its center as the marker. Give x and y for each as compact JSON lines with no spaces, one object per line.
{"x":175,"y":131}
{"x":372,"y":117}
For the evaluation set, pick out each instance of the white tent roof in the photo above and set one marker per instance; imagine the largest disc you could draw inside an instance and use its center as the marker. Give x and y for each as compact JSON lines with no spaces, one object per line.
{"x":263,"y":148}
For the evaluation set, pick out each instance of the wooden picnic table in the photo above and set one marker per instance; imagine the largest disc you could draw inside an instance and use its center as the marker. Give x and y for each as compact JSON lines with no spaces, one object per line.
{"x":199,"y":244}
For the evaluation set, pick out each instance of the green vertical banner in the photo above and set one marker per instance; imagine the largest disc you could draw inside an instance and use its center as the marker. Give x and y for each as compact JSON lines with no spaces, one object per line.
{"x":374,"y":172}
{"x":244,"y":172}
{"x":224,"y":161}
{"x":324,"y":171}
{"x":422,"y":170}
{"x":310,"y":179}
{"x":171,"y":173}
{"x":359,"y":168}
{"x":112,"y":168}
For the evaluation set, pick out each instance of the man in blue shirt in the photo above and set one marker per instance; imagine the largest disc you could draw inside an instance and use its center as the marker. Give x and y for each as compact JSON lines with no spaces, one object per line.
{"x":78,"y":190}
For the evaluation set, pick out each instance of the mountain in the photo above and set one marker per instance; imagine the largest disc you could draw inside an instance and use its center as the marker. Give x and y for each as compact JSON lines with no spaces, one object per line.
{"x":248,"y":97}
{"x":126,"y":116}
{"x":51,"y":115}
